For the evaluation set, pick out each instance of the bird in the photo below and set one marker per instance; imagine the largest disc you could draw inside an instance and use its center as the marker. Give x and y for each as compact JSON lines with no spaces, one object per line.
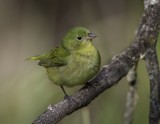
{"x":74,"y":62}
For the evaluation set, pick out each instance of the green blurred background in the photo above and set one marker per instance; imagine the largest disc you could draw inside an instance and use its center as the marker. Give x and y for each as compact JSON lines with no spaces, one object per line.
{"x":30,"y":27}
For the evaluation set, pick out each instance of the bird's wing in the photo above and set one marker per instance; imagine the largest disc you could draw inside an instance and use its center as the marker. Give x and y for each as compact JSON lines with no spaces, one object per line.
{"x":55,"y":57}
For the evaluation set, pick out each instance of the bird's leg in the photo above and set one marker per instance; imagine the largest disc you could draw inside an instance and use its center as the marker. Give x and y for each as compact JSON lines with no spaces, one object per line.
{"x":65,"y":94}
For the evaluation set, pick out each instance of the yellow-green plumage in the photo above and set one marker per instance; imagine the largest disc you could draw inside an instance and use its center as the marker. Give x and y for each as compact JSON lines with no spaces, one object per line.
{"x":74,"y":62}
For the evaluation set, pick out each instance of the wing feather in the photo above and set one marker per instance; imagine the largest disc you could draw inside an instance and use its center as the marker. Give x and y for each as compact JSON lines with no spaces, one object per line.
{"x":55,"y":57}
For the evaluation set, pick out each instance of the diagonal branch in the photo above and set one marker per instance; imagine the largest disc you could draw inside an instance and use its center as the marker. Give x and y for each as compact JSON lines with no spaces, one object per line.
{"x":109,"y":75}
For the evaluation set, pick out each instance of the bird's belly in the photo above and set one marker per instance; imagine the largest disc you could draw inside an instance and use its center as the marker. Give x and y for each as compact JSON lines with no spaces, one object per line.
{"x":74,"y":73}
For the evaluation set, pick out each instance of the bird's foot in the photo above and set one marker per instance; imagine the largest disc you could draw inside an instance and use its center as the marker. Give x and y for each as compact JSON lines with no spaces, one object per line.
{"x":66,"y":97}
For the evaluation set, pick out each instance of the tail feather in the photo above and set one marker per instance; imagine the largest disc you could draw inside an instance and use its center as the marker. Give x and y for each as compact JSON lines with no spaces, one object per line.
{"x":38,"y":57}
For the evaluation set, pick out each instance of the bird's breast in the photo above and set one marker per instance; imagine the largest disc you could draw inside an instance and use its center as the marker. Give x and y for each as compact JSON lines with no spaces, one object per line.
{"x":82,"y":65}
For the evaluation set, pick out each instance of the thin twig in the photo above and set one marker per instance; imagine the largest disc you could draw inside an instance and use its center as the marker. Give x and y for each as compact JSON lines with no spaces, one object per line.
{"x":132,"y":96}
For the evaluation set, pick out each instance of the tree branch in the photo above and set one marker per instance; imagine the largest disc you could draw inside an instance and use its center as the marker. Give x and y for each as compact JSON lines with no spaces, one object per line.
{"x":110,"y":74}
{"x":154,"y":77}
{"x":153,"y":67}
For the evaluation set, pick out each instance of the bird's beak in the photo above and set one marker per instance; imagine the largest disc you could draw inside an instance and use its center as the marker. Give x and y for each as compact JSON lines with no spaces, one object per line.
{"x":91,"y":36}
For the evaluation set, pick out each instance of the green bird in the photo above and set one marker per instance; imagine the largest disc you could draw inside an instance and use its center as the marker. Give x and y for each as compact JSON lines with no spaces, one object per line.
{"x":74,"y":62}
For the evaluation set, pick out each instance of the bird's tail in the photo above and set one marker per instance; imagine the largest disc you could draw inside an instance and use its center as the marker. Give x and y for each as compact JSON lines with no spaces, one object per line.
{"x":38,"y":57}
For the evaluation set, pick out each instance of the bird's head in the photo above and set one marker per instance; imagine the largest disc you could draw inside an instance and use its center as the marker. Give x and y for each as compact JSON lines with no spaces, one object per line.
{"x":77,"y":37}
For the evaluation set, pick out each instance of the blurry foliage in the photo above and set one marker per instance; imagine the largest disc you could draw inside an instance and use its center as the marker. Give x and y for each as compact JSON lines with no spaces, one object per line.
{"x":30,"y":27}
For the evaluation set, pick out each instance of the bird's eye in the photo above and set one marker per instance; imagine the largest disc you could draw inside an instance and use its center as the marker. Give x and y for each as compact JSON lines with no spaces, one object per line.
{"x":79,"y":38}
